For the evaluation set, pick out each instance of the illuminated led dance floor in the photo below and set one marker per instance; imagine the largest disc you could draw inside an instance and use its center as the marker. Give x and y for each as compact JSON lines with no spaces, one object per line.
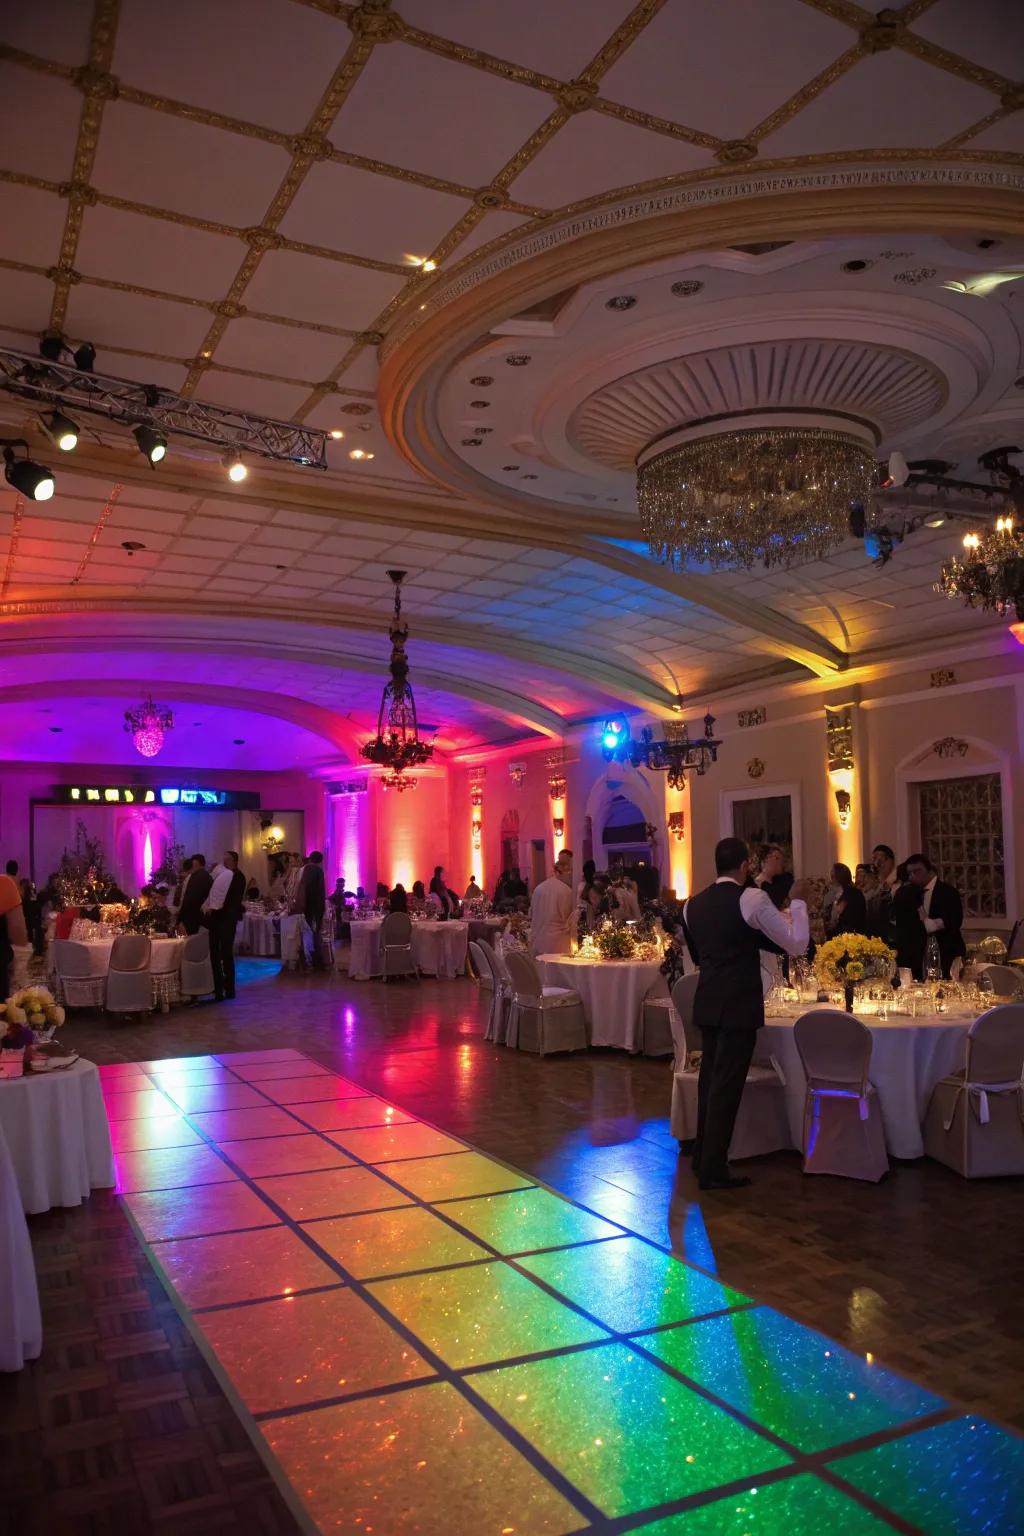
{"x":426,"y":1340}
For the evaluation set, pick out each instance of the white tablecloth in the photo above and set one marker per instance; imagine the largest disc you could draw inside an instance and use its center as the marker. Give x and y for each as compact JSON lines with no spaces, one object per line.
{"x":439,"y":949}
{"x":56,"y":1131}
{"x":166,"y":954}
{"x":21,"y":1328}
{"x":908,"y":1057}
{"x":258,"y":934}
{"x":612,"y":993}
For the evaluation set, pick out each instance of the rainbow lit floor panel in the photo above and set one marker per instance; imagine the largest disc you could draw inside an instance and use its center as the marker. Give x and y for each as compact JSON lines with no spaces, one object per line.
{"x":421,"y":1339}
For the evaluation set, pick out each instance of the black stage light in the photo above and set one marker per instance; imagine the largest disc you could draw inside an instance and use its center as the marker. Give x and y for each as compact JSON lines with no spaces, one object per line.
{"x":85,"y":357}
{"x":62,"y":431}
{"x":52,"y":347}
{"x":27,"y":477}
{"x":151,"y":443}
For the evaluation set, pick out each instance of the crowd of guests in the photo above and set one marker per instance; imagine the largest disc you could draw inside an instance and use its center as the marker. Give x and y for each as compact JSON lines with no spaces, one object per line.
{"x":906,"y":905}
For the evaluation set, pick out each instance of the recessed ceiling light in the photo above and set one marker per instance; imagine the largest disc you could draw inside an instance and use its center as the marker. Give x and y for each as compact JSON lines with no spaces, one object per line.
{"x":482,"y":381}
{"x":57,"y":729}
{"x":359,"y":453}
{"x":509,"y":469}
{"x":621,"y":301}
{"x":935,"y":519}
{"x":518,"y":359}
{"x":686,"y":287}
{"x":857,"y":266}
{"x":239,"y":741}
{"x":131,"y":545}
{"x":472,"y":442}
{"x":336,"y":434}
{"x":237,"y":470}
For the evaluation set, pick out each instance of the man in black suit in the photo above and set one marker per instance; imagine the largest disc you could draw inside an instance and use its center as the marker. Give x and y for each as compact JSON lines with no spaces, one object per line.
{"x":941,"y":913}
{"x":725,"y":927}
{"x":224,"y":911}
{"x":194,"y":893}
{"x":311,"y":901}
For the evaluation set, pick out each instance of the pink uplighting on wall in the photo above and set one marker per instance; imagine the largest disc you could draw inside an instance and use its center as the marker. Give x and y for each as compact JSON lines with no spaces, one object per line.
{"x":147,"y":857}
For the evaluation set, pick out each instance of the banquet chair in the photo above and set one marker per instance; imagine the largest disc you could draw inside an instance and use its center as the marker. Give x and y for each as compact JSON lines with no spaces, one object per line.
{"x":487,"y":978}
{"x":503,"y":987}
{"x":1002,"y":980}
{"x":762,"y":1125}
{"x":843,"y":1131}
{"x":129,"y":984}
{"x":396,"y":956}
{"x":975,"y":1117}
{"x":165,"y":976}
{"x":196,"y":966}
{"x":551,"y":1018}
{"x":77,"y":986}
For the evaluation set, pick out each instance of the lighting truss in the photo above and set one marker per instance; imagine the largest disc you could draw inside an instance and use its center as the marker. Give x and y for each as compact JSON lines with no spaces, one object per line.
{"x":128,"y":403}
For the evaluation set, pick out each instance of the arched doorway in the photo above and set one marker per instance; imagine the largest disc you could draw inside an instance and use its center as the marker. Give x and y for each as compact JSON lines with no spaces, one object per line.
{"x":627,"y":820}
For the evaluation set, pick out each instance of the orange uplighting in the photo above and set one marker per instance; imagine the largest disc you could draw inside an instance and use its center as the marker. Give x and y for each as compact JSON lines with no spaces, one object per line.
{"x":1017,"y":631}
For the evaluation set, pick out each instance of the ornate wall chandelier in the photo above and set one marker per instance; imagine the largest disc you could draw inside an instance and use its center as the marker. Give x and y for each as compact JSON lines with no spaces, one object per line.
{"x":677,"y":754}
{"x":990,"y":573}
{"x":754,"y":490}
{"x":148,"y":724}
{"x":397,"y":744}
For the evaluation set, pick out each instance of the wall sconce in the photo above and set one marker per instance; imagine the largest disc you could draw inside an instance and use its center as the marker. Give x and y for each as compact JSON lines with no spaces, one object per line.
{"x":477,"y":830}
{"x":844,"y":806}
{"x":476,"y":797}
{"x":517,"y":773}
{"x":556,"y":786}
{"x":677,"y":825}
{"x":558,"y":825}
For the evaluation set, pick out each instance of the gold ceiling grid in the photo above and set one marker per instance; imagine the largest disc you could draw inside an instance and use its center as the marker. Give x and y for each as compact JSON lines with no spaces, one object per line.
{"x":373,"y":24}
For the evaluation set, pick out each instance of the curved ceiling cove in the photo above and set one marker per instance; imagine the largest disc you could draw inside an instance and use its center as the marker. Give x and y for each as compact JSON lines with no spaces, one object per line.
{"x":495,"y":260}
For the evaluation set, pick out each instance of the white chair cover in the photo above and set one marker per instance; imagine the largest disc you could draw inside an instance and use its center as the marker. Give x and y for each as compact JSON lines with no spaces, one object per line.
{"x":502,"y":983}
{"x":196,"y":967}
{"x":843,"y":1132}
{"x":21,"y":1327}
{"x":396,"y":954}
{"x":77,"y":987}
{"x":761,"y":1123}
{"x":129,"y":985}
{"x":551,"y":1016}
{"x":1005,"y":980}
{"x":656,"y":1026}
{"x":485,"y":975}
{"x":975,"y":1118}
{"x":19,"y":966}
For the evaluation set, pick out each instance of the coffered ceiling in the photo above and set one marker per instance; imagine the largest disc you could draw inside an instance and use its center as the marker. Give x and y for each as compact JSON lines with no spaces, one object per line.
{"x":254,"y":202}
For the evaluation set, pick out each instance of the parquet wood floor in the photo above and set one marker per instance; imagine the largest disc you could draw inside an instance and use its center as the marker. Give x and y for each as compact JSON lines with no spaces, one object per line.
{"x":121,"y":1427}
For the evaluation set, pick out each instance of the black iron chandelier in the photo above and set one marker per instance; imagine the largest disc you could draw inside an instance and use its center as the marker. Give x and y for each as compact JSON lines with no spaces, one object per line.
{"x":677,"y":754}
{"x":397,"y":746}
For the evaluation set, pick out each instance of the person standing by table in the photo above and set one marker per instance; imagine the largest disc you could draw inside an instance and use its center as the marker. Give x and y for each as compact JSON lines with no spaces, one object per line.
{"x":311,"y":901}
{"x":223,"y":913}
{"x":725,"y":926}
{"x":940,"y":914}
{"x":552,"y":917}
{"x":194,"y":892}
{"x":12,"y":929}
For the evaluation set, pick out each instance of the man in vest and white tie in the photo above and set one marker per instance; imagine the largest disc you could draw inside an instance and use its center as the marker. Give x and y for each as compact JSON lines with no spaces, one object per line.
{"x":725,"y":927}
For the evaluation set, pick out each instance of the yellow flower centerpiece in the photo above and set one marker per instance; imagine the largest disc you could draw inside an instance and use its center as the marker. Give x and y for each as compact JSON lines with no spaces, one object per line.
{"x":850,"y":958}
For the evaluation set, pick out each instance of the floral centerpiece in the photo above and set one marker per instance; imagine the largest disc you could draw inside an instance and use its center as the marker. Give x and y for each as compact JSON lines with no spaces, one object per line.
{"x":850,"y":958}
{"x":615,"y":943}
{"x":28,"y":1018}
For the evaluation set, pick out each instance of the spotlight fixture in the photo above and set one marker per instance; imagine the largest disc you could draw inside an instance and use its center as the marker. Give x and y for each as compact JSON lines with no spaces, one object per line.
{"x":85,"y":357}
{"x":614,"y":735}
{"x":61,"y":431}
{"x":27,"y":477}
{"x":52,"y":347}
{"x":151,"y":443}
{"x":335,"y":434}
{"x":55,"y":349}
{"x":235,"y":467}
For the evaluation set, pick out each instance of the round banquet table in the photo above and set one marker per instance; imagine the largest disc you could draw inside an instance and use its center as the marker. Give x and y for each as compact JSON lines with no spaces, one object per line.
{"x":612,"y":993}
{"x":439,"y":949}
{"x":166,"y":954}
{"x":56,"y":1131}
{"x":21,"y":1328}
{"x":908,"y":1057}
{"x":259,"y":933}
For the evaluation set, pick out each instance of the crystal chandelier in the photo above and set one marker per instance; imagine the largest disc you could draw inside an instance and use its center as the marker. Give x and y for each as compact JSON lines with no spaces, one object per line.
{"x":754,"y":490}
{"x":147,"y":724}
{"x":397,"y":746}
{"x":397,"y":781}
{"x":677,"y":754}
{"x":990,"y":573}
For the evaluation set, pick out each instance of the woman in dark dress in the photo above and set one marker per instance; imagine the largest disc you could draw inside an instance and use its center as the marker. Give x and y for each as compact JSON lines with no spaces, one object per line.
{"x":849,"y":910}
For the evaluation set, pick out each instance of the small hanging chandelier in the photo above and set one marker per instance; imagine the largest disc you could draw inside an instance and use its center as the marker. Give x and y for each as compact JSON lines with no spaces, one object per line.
{"x":397,"y":746}
{"x":990,"y":573}
{"x":147,"y":725}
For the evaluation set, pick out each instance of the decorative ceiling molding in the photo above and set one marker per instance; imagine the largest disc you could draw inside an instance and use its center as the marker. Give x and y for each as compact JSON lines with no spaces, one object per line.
{"x":701,"y":191}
